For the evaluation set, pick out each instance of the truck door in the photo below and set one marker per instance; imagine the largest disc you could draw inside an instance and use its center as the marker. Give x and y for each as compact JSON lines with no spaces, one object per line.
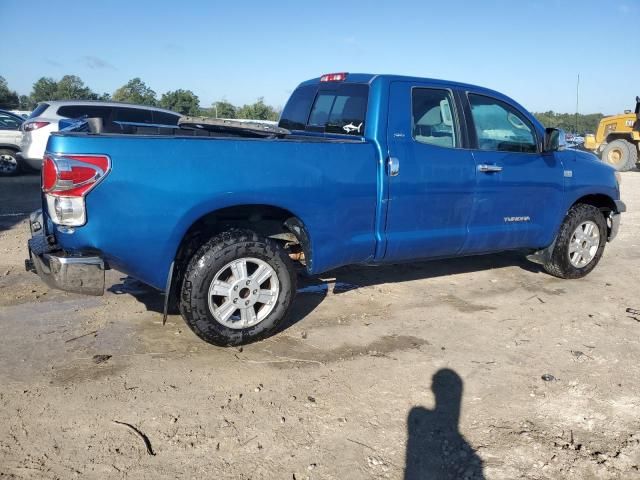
{"x":431,"y":177}
{"x":519,"y":189}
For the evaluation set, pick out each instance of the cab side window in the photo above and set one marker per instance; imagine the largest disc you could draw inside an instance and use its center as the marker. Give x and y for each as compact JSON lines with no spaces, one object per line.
{"x":432,"y":117}
{"x":500,"y":127}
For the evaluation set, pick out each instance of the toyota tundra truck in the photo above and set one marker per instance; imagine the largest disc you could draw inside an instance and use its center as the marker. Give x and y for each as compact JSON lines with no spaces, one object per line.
{"x":361,"y":169}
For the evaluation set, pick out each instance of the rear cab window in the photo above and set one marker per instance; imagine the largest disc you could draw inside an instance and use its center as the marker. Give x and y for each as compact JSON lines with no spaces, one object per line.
{"x":334,"y":108}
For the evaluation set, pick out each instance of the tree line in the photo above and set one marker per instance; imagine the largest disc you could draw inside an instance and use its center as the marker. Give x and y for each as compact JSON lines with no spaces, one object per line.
{"x":71,"y":87}
{"x":570,"y":122}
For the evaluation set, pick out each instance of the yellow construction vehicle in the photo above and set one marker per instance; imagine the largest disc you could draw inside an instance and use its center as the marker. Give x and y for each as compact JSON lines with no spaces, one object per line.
{"x":617,"y":139}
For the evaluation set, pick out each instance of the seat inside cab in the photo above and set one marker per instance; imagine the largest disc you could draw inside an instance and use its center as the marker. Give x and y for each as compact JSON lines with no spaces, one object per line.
{"x":433,"y":122}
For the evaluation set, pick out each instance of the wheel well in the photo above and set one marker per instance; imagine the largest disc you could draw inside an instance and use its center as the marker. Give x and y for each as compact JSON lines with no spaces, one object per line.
{"x":603,"y":202}
{"x":266,"y":220}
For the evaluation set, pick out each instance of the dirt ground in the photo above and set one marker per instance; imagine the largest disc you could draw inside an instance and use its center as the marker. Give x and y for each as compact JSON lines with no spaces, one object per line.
{"x":431,"y":370}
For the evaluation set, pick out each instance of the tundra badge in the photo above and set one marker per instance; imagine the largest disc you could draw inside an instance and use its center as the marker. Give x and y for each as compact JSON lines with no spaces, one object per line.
{"x":517,"y":219}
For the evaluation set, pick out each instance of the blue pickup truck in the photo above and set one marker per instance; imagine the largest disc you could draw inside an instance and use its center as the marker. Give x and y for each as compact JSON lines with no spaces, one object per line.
{"x":361,"y":169}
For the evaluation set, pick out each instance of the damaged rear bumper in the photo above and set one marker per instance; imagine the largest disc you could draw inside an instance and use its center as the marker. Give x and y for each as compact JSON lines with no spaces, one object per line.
{"x":73,"y":273}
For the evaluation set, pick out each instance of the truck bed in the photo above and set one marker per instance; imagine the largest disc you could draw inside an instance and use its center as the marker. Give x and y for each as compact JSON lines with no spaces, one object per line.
{"x":200,"y":128}
{"x":161,"y":184}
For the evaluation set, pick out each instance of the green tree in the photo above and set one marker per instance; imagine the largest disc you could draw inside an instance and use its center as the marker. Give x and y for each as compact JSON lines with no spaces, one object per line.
{"x":71,"y":87}
{"x":224,"y":109}
{"x":25,"y":103}
{"x":181,"y":101}
{"x":568,"y":121}
{"x":8,"y":98}
{"x":135,"y":91}
{"x":43,"y":89}
{"x":258,"y":111}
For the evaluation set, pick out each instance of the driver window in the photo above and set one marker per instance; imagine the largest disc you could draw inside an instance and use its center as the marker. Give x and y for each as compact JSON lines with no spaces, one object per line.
{"x":432,"y":119}
{"x":499,"y":127}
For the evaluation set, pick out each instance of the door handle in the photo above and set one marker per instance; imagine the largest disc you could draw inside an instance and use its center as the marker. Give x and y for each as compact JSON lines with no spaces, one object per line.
{"x":489,"y":168}
{"x":394,"y":166}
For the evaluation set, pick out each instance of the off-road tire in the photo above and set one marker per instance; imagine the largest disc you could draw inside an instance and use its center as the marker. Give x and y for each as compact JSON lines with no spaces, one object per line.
{"x":210,"y":259}
{"x":628,"y":155}
{"x":12,"y":154}
{"x":559,"y":264}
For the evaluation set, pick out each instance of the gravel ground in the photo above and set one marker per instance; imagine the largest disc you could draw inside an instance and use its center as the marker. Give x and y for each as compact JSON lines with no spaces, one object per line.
{"x":431,"y":370}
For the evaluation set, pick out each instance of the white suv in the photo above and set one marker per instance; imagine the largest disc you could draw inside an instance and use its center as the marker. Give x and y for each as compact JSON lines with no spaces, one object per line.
{"x":47,"y":115}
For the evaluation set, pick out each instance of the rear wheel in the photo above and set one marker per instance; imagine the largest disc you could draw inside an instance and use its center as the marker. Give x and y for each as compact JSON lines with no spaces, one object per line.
{"x":237,"y":288}
{"x":580,"y":243}
{"x":621,"y":155}
{"x":9,"y":164}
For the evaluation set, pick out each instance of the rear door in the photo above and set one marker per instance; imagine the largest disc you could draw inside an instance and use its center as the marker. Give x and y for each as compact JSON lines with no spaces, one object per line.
{"x":431,"y":176}
{"x":519,"y":188}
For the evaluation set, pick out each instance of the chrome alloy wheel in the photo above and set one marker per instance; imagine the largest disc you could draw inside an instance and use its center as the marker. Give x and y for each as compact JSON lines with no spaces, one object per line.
{"x":243,"y":293}
{"x":584,"y":244}
{"x":8,"y":164}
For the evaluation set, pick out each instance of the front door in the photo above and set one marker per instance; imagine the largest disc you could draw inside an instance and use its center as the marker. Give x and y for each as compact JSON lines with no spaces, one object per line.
{"x":431,"y":177}
{"x":519,"y":189}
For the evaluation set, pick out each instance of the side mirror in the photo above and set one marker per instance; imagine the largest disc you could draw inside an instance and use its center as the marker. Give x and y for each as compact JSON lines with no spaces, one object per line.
{"x":554,"y":140}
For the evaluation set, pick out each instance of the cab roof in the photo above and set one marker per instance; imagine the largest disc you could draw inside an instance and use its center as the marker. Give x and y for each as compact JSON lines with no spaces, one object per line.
{"x":370,"y":78}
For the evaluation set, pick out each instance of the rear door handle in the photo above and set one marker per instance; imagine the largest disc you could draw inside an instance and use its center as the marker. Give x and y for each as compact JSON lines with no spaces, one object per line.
{"x":489,"y":168}
{"x":394,"y":166}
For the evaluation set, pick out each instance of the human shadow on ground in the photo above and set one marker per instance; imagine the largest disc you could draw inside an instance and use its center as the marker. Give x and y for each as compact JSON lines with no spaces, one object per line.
{"x":436,"y":450}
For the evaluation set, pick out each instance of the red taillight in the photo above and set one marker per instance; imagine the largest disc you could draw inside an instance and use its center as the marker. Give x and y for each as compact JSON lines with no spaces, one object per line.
{"x":333,"y":77}
{"x":73,"y":175}
{"x":49,"y":173}
{"x":29,"y":126}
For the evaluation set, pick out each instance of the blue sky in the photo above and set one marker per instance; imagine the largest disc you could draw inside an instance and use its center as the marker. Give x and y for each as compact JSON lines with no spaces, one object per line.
{"x":530,"y":50}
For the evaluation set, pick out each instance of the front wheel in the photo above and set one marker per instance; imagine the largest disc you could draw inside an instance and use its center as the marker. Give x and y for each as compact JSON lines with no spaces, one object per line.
{"x":237,"y":288}
{"x":580,"y":243}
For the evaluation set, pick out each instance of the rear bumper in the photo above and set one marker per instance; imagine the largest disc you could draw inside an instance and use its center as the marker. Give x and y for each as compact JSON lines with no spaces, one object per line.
{"x":72,"y":273}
